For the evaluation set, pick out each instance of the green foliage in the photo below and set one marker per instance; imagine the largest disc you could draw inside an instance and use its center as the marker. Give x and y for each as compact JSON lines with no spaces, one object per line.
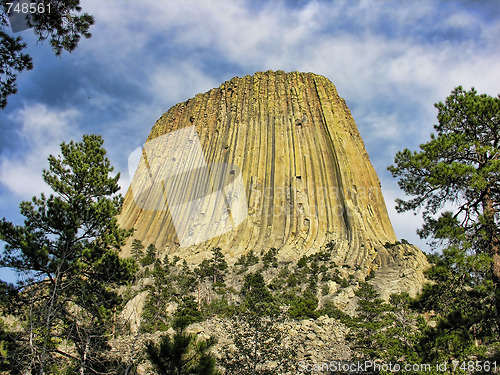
{"x":258,"y":346}
{"x":303,"y":306}
{"x":330,"y":248}
{"x":452,"y":339}
{"x":256,"y":295}
{"x":367,"y":334}
{"x":204,"y":269}
{"x":277,"y":284}
{"x":8,"y":350}
{"x":325,"y":289}
{"x":136,"y":249}
{"x":344,"y":283}
{"x":292,"y":280}
{"x":214,"y":267}
{"x":185,"y":280}
{"x":219,"y":265}
{"x":12,"y":62}
{"x":334,"y":312}
{"x":220,"y":307}
{"x":463,"y":295}
{"x":323,"y":256}
{"x":405,"y":330}
{"x":460,"y":160}
{"x":269,"y":258}
{"x":302,"y":262}
{"x":253,"y":330}
{"x":313,"y":283}
{"x":182,"y":354}
{"x":61,"y":25}
{"x":160,"y":274}
{"x":459,"y":167}
{"x":154,"y":315}
{"x":170,"y":280}
{"x":150,"y":256}
{"x":311,"y":268}
{"x":370,"y":275}
{"x":389,"y":245}
{"x":187,"y":313}
{"x":385,"y":332}
{"x":67,"y":250}
{"x":247,"y":260}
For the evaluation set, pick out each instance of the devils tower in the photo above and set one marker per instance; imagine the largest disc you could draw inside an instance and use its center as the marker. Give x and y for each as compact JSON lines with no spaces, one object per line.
{"x":272,"y":160}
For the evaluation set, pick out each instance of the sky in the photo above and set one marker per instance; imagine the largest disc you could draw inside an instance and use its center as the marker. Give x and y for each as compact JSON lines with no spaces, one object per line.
{"x":390,"y":60}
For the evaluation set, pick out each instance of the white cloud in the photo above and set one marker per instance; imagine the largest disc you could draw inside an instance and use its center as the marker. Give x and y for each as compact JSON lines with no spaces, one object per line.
{"x":168,"y":85}
{"x":461,"y":20}
{"x":345,"y":41}
{"x":381,"y":126}
{"x":43,"y":129}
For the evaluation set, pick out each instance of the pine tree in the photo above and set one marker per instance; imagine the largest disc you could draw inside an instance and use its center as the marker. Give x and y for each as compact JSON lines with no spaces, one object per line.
{"x":187,"y":313}
{"x":155,"y":316}
{"x":459,"y":167}
{"x":213,"y":268}
{"x":257,"y":298}
{"x":150,"y":256}
{"x":136,"y":249}
{"x":219,"y":265}
{"x":384,"y":332}
{"x":367,"y":334}
{"x":258,"y":342}
{"x":182,"y":354}
{"x":66,"y":251}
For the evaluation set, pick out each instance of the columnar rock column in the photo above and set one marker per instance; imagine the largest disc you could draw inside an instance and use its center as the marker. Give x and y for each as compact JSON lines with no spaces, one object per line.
{"x":295,"y":147}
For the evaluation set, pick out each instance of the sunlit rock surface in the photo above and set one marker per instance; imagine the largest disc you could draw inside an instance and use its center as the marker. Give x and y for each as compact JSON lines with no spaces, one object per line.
{"x":273,"y":160}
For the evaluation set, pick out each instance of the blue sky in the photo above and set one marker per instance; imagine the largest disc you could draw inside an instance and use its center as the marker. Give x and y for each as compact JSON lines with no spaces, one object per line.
{"x":390,"y":60}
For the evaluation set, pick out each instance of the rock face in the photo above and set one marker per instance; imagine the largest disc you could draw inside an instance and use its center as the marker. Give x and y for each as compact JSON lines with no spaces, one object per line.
{"x":283,"y":151}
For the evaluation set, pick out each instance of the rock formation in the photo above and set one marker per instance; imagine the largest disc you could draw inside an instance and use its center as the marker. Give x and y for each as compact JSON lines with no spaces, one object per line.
{"x":268,"y":160}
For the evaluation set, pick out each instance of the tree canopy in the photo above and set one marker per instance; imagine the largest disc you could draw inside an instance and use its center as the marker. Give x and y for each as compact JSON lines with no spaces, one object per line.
{"x":459,"y":165}
{"x":182,"y":354}
{"x":455,"y":180}
{"x":66,"y":252}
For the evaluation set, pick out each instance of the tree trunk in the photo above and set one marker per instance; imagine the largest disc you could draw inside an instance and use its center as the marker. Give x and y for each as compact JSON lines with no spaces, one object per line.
{"x":84,"y":358}
{"x":494,"y":241}
{"x":49,"y":319}
{"x":493,"y":248}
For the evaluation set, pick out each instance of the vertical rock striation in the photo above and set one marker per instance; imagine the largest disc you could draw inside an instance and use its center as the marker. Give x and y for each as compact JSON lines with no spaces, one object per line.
{"x":306,"y":174}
